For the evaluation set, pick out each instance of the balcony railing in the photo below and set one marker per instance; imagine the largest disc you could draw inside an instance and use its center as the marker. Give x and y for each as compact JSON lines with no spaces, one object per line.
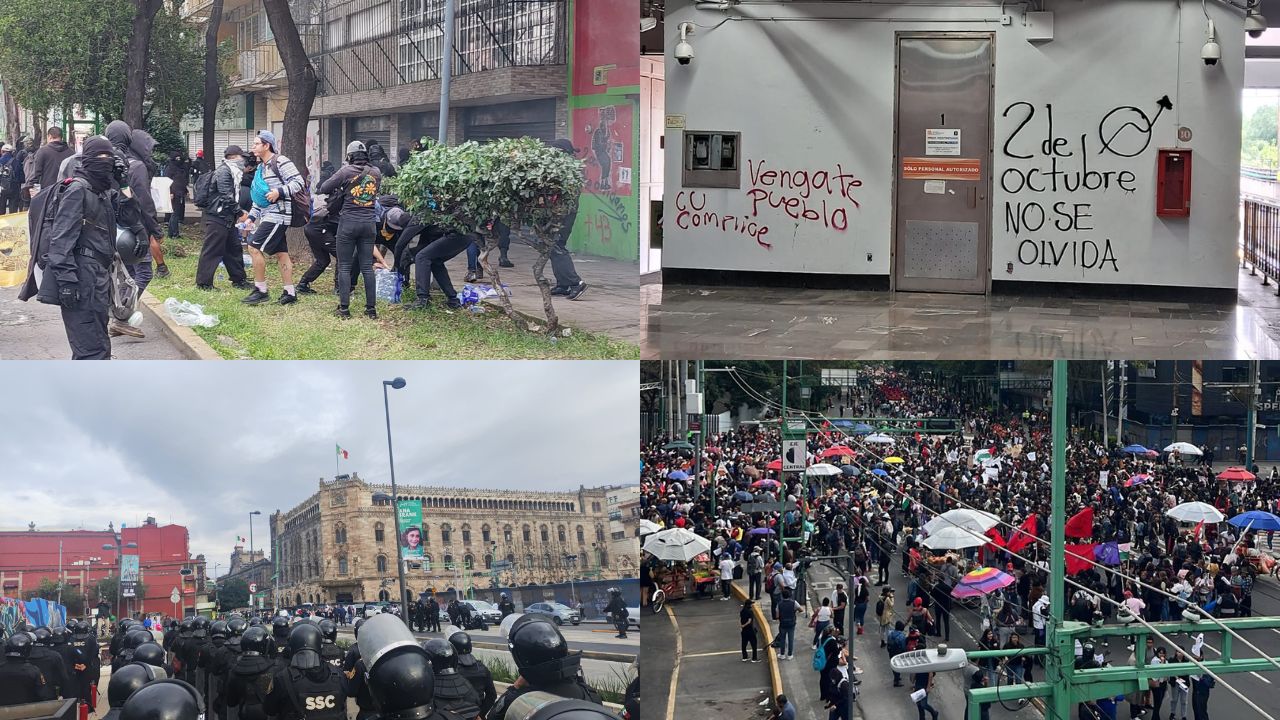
{"x":1260,"y":238}
{"x":406,"y":48}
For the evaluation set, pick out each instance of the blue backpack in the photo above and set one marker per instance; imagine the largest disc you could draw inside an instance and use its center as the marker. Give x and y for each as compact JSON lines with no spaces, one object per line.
{"x":819,"y":659}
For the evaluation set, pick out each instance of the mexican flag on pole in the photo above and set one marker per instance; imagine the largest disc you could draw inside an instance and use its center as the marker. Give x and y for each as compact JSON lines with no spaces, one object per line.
{"x":341,"y":453}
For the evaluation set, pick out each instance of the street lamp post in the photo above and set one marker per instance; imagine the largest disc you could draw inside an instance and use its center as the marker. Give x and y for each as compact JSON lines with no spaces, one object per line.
{"x":572,"y":562}
{"x":397,"y":383}
{"x":119,"y":566}
{"x":255,"y":512}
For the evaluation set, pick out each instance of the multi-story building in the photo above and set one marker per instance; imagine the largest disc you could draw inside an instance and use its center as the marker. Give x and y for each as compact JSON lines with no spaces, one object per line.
{"x":339,"y":545}
{"x":623,"y":503}
{"x":541,"y":68}
{"x":254,"y":568}
{"x":78,"y":559}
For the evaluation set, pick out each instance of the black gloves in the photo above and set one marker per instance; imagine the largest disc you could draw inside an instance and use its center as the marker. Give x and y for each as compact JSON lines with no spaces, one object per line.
{"x":120,"y":169}
{"x":68,"y":297}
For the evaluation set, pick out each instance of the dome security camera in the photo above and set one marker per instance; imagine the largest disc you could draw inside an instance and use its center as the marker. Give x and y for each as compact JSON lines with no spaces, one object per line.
{"x":1254,"y":23}
{"x":684,"y":51}
{"x":1211,"y":53}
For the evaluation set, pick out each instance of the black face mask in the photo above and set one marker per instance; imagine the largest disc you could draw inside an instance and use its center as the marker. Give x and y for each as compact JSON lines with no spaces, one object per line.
{"x":98,"y":171}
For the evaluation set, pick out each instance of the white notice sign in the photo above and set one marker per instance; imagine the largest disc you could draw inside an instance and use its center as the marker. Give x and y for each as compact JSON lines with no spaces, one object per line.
{"x":942,"y":141}
{"x":935,"y":187}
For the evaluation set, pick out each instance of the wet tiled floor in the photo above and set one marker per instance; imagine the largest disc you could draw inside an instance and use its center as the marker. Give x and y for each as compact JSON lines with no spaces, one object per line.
{"x":746,"y":322}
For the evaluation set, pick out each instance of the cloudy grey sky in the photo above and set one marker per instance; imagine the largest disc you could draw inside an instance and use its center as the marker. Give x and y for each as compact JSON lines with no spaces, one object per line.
{"x":202,"y":444}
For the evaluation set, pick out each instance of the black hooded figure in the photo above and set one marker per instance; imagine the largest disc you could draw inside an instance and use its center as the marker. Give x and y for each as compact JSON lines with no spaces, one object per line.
{"x":178,"y":170}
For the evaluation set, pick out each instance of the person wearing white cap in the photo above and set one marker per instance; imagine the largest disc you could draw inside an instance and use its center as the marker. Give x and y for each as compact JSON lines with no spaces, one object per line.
{"x":275,"y":182}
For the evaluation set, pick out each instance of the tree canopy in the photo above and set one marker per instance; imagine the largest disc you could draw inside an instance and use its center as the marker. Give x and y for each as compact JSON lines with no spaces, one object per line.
{"x":59,"y":53}
{"x":233,"y":593}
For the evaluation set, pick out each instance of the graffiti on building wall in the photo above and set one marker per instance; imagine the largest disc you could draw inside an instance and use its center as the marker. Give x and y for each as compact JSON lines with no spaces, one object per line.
{"x":602,"y":137}
{"x":1051,"y":211}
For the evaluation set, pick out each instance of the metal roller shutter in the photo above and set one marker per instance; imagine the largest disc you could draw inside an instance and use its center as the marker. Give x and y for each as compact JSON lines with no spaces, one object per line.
{"x":221,"y":139}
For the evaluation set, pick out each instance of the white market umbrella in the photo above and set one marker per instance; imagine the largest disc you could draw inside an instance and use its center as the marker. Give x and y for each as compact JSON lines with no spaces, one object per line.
{"x":974,"y":520}
{"x":954,"y":538}
{"x":880,"y":438}
{"x":649,"y":527}
{"x":823,"y":470}
{"x":1184,"y":448}
{"x":1195,"y":512}
{"x":677,"y":544}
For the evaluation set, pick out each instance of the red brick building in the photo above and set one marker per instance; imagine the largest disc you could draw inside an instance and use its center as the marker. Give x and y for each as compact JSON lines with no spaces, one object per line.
{"x":27,"y":557}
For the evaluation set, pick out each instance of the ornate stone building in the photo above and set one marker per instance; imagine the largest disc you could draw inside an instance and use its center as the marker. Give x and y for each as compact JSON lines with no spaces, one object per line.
{"x":339,"y":545}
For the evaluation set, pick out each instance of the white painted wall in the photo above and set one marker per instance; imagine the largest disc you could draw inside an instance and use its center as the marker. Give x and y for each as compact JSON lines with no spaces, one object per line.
{"x":652,"y":94}
{"x":813,"y":93}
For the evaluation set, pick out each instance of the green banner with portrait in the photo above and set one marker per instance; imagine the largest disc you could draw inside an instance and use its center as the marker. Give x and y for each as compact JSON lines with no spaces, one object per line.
{"x":410,"y":515}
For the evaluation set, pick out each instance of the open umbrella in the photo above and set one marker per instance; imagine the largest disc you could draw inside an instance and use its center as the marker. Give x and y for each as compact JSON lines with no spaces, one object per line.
{"x":863,"y":429}
{"x":894,"y":460}
{"x":975,"y":520}
{"x":1184,"y":448}
{"x":982,"y":581}
{"x":1135,"y":449}
{"x":743,"y":496}
{"x":649,"y":527}
{"x":775,"y":465}
{"x":767,"y":482}
{"x":1196,"y":512}
{"x":1137,"y":479}
{"x":839,"y":451}
{"x":881,"y":472}
{"x":761,"y":531}
{"x":955,"y":538}
{"x":822,"y":470}
{"x":881,"y":439}
{"x":678,"y":475}
{"x":1256,"y":520}
{"x":678,"y":445}
{"x":851,"y":470}
{"x":676,"y":544}
{"x":1236,"y":474}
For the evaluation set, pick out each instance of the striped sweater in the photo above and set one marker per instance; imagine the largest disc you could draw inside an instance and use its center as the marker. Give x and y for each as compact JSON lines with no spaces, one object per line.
{"x":288,"y":182}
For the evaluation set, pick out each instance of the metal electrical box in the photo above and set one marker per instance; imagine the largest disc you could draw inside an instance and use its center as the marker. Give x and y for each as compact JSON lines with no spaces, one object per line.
{"x":1173,"y":182}
{"x":712,"y":159}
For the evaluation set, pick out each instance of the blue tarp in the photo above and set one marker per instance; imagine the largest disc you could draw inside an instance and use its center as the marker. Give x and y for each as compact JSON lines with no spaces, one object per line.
{"x":43,"y":612}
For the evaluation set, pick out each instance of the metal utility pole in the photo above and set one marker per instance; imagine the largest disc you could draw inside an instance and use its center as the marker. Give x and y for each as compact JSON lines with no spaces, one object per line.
{"x":1058,"y":559}
{"x":446,"y":73}
{"x":1252,"y":424}
{"x":1124,"y":379}
{"x":702,"y":434}
{"x":397,"y":383}
{"x":1106,"y":412}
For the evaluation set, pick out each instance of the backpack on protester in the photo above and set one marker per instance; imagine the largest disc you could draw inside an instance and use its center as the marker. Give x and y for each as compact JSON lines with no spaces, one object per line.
{"x":819,"y":659}
{"x":40,"y":215}
{"x":299,"y":202}
{"x":768,"y":583}
{"x":206,"y":191}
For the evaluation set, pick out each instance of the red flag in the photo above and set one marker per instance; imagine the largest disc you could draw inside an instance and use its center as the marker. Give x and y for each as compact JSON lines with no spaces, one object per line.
{"x":996,"y":538}
{"x":1080,"y":525}
{"x":1075,"y":564}
{"x":1024,"y":535}
{"x":1199,"y":528}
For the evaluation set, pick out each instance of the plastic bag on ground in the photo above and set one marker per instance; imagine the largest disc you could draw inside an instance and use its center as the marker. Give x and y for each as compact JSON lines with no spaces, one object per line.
{"x":389,"y":284}
{"x":189,"y":314}
{"x":472,"y":294}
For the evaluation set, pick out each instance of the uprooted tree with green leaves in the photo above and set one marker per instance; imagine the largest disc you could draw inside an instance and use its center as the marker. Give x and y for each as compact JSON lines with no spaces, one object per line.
{"x":531,"y":187}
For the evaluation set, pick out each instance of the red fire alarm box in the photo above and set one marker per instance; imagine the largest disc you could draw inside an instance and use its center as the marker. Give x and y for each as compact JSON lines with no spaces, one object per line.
{"x":1173,"y":182}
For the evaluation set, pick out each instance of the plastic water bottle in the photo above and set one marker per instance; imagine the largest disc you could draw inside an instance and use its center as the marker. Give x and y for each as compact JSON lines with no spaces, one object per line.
{"x":248,"y":260}
{"x":136,"y":319}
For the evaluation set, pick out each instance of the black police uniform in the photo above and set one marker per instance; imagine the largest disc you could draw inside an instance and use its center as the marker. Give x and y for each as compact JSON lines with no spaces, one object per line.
{"x":85,"y":680}
{"x":248,"y":684}
{"x":354,"y":685}
{"x":617,"y":612}
{"x":480,"y":678}
{"x":433,"y":616}
{"x":50,"y":664}
{"x":569,"y":685}
{"x":332,"y":654}
{"x":312,"y":694}
{"x":22,"y":682}
{"x":453,"y":694}
{"x":506,"y":607}
{"x":217,"y":663}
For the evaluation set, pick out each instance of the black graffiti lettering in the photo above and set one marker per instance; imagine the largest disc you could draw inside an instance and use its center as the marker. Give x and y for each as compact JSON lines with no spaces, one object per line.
{"x":1031,"y":111}
{"x":1085,"y":254}
{"x":1052,"y":144}
{"x":1069,"y":220}
{"x":1023,"y":216}
{"x":1109,"y":130}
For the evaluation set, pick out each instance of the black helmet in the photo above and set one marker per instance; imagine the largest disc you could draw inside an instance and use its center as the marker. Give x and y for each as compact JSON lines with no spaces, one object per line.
{"x":19,"y":645}
{"x":280,"y":627}
{"x":615,"y":591}
{"x":355,"y":626}
{"x":125,"y":681}
{"x":136,"y":638}
{"x":255,"y":641}
{"x":218,"y":630}
{"x":59,"y":634}
{"x":236,"y":626}
{"x":461,"y":642}
{"x":149,"y":653}
{"x":200,"y":626}
{"x":535,"y":640}
{"x":545,"y":706}
{"x":442,"y":653}
{"x":506,"y":596}
{"x":127,"y":245}
{"x":43,"y":636}
{"x":188,"y":624}
{"x":81,"y":627}
{"x":164,"y":700}
{"x":255,"y":621}
{"x":124,"y":625}
{"x":329,"y":629}
{"x":303,"y":649}
{"x":402,"y":680}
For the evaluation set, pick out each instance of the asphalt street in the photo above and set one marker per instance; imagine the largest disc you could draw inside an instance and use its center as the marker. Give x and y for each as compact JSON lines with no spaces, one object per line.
{"x":592,"y":637}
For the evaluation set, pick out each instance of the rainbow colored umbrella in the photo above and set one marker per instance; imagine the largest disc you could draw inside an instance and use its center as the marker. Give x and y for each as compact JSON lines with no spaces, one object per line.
{"x":982,"y":581}
{"x":1137,"y":480}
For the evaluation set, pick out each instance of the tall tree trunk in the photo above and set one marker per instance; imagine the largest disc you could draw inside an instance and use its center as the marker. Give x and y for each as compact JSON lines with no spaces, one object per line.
{"x":211,"y":89}
{"x":11,"y":119}
{"x":42,"y":124}
{"x":302,"y":81}
{"x":139,"y":49}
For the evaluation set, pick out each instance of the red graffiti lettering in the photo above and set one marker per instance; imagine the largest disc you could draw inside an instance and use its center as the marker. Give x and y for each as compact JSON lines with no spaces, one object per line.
{"x":816,"y":196}
{"x":691,"y":215}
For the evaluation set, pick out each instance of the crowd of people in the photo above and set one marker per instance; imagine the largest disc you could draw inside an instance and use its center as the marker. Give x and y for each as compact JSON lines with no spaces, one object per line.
{"x":1122,"y":547}
{"x":251,"y":667}
{"x":95,"y":229}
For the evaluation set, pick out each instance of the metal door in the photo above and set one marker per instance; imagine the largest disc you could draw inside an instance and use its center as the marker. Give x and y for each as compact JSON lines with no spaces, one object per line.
{"x":942,"y":199}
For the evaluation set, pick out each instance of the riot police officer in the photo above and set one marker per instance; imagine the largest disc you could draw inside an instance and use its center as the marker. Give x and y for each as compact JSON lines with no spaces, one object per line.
{"x":130,"y":678}
{"x":179,"y":649}
{"x":473,"y":670}
{"x":150,"y":653}
{"x":164,"y":700}
{"x":203,"y":646}
{"x":433,"y":615}
{"x":280,"y":636}
{"x":88,"y":667}
{"x":617,"y":611}
{"x":249,"y":679}
{"x":309,"y":688}
{"x":353,"y":675}
{"x":453,"y":693}
{"x":49,"y":662}
{"x":59,"y":639}
{"x":235,"y":628}
{"x":20,"y":681}
{"x":216,"y":663}
{"x":399,"y":673}
{"x":505,"y":606}
{"x":170,"y":635}
{"x":329,"y":650}
{"x":545,"y":664}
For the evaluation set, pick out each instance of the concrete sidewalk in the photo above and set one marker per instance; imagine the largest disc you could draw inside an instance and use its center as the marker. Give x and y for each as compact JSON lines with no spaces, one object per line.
{"x":33,"y":331}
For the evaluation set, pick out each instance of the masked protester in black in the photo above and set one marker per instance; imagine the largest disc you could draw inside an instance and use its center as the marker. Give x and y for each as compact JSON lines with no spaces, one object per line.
{"x":82,"y":246}
{"x":545,"y":665}
{"x":359,"y":182}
